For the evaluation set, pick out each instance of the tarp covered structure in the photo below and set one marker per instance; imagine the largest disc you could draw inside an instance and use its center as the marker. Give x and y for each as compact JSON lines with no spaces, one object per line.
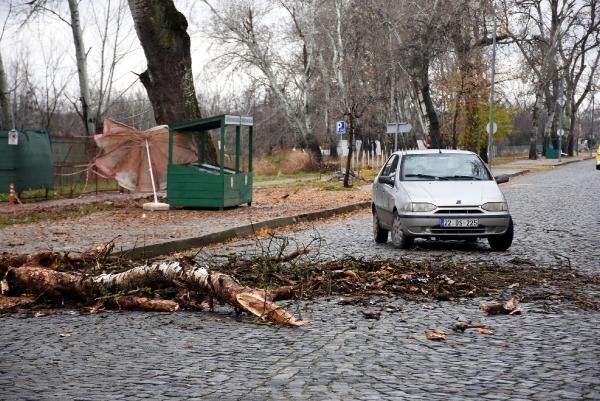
{"x":124,"y":155}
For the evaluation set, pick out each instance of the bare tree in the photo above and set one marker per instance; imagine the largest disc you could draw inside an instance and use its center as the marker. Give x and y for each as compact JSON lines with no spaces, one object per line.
{"x":115,"y":45}
{"x":81,"y":57}
{"x":579,"y":52}
{"x":250,"y":41}
{"x":559,"y":41}
{"x":46,"y":96}
{"x":5,"y":106}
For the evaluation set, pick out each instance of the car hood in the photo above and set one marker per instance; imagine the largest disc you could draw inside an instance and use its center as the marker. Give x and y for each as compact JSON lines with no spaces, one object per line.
{"x":453,"y":193}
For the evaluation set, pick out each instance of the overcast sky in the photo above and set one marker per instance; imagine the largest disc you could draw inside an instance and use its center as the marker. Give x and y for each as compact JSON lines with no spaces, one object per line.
{"x":49,"y":38}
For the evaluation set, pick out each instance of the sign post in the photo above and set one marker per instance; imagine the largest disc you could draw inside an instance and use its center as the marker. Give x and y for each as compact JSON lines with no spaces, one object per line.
{"x":398,"y":128}
{"x":491,"y":129}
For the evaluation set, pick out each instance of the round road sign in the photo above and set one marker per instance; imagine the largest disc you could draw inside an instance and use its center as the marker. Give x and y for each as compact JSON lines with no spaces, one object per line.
{"x":494,"y":128}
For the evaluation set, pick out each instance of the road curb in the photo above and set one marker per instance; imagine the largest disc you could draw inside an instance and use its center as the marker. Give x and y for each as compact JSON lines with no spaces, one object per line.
{"x":518,"y":173}
{"x":165,"y":248}
{"x":528,"y":171}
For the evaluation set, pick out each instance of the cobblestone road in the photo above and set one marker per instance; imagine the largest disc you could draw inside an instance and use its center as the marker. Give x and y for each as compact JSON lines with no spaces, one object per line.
{"x":551,"y":352}
{"x":556,"y":215}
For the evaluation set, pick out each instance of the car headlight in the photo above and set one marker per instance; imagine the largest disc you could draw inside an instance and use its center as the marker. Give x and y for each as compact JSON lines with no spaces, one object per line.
{"x":495,"y":206}
{"x":419,"y":207}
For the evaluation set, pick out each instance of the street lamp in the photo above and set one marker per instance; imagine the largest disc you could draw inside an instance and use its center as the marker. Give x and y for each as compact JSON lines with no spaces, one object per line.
{"x":592,"y":136}
{"x":561,"y":102}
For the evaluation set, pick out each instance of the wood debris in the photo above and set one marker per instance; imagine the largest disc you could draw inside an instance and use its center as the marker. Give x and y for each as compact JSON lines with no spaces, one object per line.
{"x":510,"y":307}
{"x":436,"y":335}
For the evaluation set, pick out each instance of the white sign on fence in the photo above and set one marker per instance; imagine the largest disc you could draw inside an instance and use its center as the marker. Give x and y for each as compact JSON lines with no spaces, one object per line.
{"x":13,"y":137}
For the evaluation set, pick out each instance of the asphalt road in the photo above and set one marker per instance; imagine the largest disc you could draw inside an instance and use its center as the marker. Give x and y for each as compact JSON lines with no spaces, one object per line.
{"x":551,"y":352}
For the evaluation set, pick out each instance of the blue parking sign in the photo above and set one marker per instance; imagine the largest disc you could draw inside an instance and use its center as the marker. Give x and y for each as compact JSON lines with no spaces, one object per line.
{"x":341,"y":127}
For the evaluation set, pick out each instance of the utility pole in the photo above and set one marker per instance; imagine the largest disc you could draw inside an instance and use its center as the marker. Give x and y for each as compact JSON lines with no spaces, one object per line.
{"x":490,"y":129}
{"x":592,"y":129}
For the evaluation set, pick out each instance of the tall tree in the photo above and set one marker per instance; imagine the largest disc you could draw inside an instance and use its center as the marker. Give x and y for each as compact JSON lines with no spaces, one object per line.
{"x":169,"y":81}
{"x":246,"y":34}
{"x":5,"y":106}
{"x":81,"y":57}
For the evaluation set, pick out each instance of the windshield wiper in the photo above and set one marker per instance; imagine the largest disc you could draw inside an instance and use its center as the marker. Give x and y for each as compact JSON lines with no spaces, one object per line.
{"x":426,"y":176}
{"x":462,"y":177}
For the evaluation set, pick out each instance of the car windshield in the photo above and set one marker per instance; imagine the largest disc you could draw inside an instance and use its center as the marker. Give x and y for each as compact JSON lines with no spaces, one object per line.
{"x":443,"y":166}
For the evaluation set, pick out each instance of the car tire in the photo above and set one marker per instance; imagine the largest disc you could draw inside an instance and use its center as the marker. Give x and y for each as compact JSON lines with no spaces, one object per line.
{"x":597,"y":166}
{"x":399,"y":239}
{"x":380,"y":234}
{"x":504,"y":241}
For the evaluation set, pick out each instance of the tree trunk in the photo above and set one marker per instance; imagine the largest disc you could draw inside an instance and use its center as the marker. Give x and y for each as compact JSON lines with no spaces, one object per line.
{"x":434,"y":124}
{"x":5,"y":106}
{"x":168,"y":80}
{"x":350,"y":148}
{"x":534,"y":130}
{"x":59,"y":285}
{"x":81,"y":56}
{"x":571,"y":134}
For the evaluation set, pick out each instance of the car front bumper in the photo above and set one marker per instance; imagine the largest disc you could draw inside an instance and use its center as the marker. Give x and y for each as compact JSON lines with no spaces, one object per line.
{"x":429,"y":225}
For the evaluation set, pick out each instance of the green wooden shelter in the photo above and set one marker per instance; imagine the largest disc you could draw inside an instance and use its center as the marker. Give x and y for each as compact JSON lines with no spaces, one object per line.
{"x":209,"y":184}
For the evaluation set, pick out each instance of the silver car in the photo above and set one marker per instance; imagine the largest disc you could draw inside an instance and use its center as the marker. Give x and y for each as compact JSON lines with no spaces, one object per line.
{"x":439,"y":194}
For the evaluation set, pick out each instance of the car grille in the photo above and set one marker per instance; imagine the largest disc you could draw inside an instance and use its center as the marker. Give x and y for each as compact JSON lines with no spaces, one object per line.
{"x":463,"y":230}
{"x":459,"y":211}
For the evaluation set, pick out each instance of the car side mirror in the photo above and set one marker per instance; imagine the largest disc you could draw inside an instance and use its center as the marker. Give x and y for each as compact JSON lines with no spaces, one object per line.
{"x":386,"y":180}
{"x":501,"y":179}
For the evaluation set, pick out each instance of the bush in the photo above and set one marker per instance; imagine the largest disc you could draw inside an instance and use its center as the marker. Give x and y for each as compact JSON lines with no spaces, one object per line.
{"x":285,"y":163}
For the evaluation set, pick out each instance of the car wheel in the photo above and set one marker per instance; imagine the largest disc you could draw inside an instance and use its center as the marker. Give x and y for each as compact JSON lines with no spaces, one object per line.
{"x":597,"y":166}
{"x":504,"y":241}
{"x":380,"y":234}
{"x":399,"y":239}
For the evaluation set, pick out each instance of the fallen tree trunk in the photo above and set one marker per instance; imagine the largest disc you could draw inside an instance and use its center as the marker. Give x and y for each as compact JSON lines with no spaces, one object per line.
{"x":58,"y":285}
{"x":128,"y":302}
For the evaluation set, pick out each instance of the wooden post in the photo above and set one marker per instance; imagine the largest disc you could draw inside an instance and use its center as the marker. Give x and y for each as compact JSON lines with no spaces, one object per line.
{"x":250,"y":131}
{"x":237,"y":148}
{"x":222,"y":150}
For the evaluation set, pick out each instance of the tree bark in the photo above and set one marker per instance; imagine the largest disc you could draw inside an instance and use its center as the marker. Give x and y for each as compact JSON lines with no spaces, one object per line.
{"x":81,"y":57}
{"x":5,"y":106}
{"x":350,"y":152}
{"x":169,"y":81}
{"x":434,"y":123}
{"x":533,"y":134}
{"x":59,"y":285}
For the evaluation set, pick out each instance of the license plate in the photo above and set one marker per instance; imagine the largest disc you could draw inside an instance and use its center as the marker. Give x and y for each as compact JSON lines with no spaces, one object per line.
{"x":459,"y":222}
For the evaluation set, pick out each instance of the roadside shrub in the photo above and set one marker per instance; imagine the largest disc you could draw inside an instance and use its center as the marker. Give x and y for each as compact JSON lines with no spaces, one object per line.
{"x":285,"y":163}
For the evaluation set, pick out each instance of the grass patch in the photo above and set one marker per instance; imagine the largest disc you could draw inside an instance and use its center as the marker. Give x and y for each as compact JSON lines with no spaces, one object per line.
{"x":72,"y":213}
{"x":64,"y":190}
{"x":259,"y":178}
{"x":329,"y":186}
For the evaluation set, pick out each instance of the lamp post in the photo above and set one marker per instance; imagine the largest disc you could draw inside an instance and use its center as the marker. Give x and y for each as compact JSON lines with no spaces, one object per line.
{"x":561,"y":102}
{"x":592,"y":129}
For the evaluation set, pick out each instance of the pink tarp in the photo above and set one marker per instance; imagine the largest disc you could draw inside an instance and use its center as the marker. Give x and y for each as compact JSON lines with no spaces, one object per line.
{"x":124,"y":154}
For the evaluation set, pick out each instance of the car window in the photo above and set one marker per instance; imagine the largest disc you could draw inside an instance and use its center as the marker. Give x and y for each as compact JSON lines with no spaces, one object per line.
{"x":443,"y":166}
{"x":390,"y":167}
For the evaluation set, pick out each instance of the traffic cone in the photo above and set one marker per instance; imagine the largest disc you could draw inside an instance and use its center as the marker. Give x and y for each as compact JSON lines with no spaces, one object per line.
{"x":11,"y":194}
